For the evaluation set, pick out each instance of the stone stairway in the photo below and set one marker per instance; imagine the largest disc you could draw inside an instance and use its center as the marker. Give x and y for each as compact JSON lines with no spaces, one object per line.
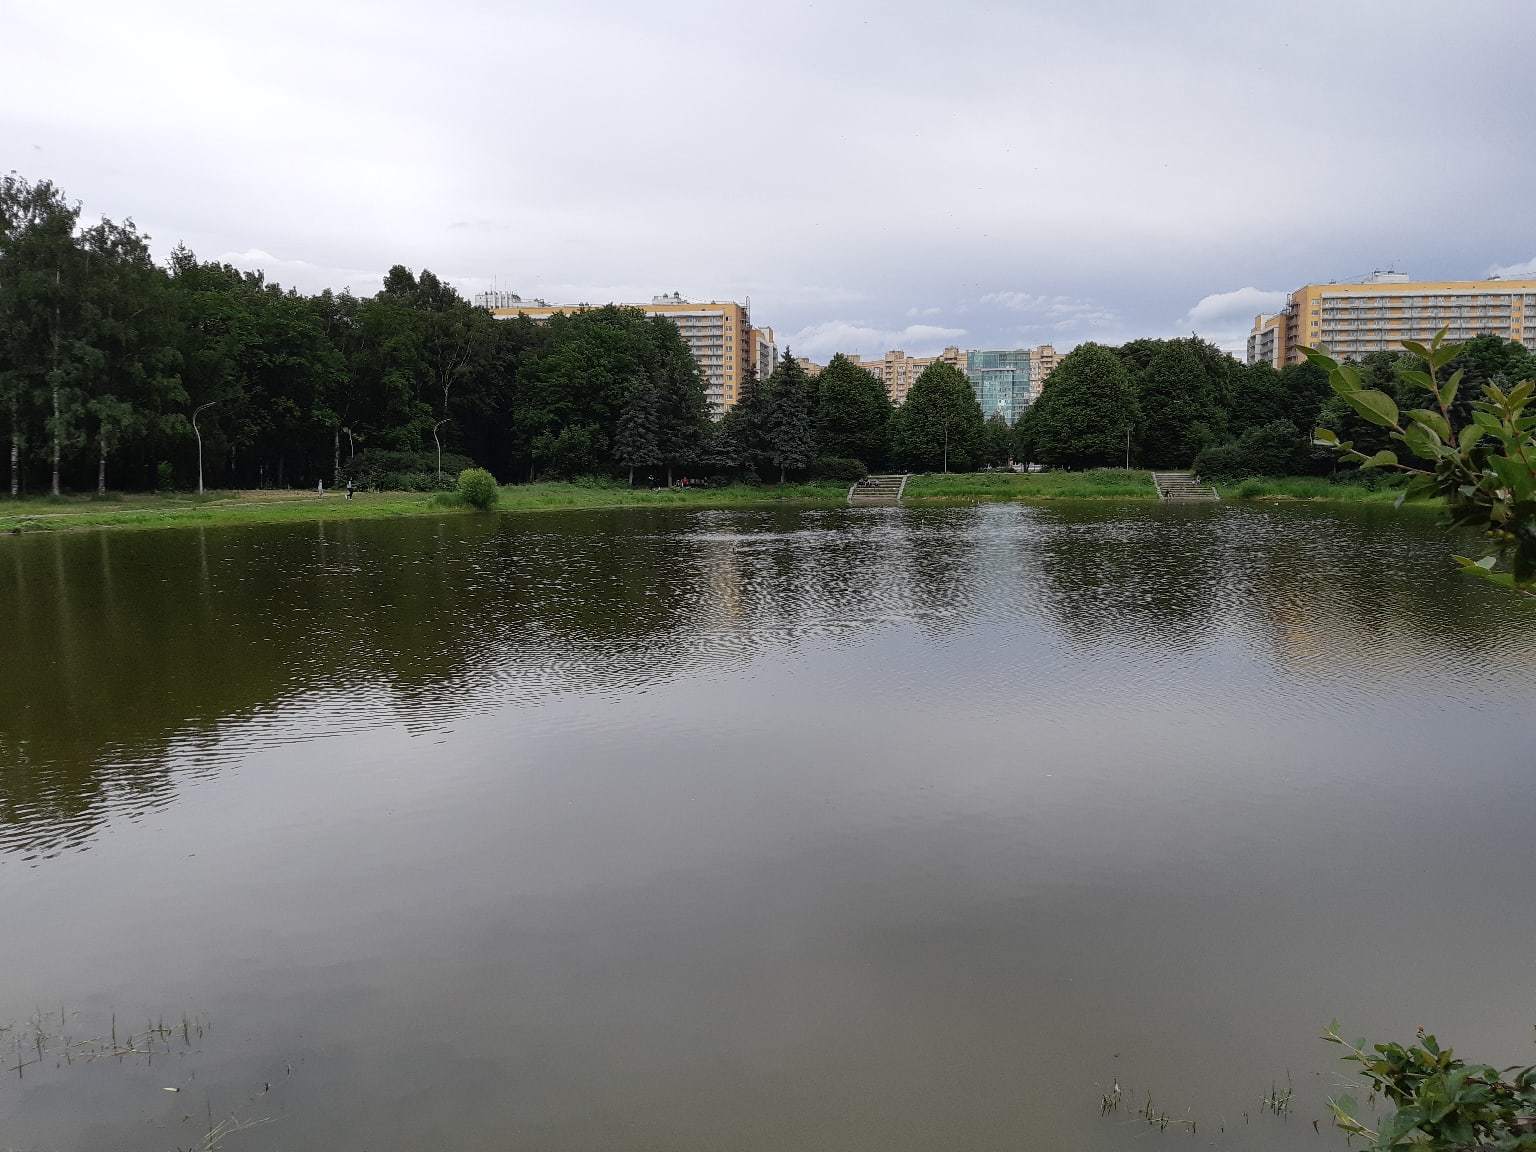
{"x":1182,"y":487}
{"x":877,"y":491}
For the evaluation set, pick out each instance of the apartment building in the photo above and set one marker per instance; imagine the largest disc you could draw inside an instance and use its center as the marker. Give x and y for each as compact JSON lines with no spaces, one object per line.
{"x":765,"y":352}
{"x":898,"y":371}
{"x":1380,"y":311}
{"x":719,"y":333}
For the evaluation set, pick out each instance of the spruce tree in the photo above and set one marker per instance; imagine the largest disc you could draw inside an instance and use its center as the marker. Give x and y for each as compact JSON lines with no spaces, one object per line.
{"x":787,"y":435}
{"x":635,"y":436}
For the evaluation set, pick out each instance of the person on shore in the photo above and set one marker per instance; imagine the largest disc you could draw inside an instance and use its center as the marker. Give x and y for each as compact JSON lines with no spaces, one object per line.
{"x":349,"y":487}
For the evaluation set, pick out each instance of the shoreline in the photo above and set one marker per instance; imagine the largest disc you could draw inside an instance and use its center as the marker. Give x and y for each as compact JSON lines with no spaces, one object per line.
{"x":34,"y":515}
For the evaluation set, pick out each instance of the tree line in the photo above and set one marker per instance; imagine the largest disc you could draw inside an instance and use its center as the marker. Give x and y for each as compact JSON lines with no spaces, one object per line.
{"x":1183,"y":402}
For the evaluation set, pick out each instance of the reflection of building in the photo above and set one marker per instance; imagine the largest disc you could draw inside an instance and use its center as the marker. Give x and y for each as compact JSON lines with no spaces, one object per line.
{"x":718,"y":333}
{"x":898,"y":371}
{"x":1378,"y":313}
{"x":765,"y":353}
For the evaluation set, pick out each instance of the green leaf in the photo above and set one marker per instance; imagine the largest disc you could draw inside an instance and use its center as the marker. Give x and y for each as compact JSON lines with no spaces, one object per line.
{"x":1386,"y":458}
{"x":1417,"y":349}
{"x":1324,"y":361}
{"x":1514,"y":475}
{"x":1469,"y":436}
{"x":1421,"y":442}
{"x":1422,"y":379}
{"x":1447,"y":393}
{"x":1325,"y":436}
{"x":1352,"y":375}
{"x":1435,"y":422}
{"x":1377,"y":407}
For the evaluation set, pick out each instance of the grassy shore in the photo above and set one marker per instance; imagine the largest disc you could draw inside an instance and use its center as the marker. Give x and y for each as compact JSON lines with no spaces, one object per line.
{"x":147,"y":510}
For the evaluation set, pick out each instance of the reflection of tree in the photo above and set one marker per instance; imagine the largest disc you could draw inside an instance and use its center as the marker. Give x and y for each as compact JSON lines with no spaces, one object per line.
{"x":1132,"y":576}
{"x":128,"y":654}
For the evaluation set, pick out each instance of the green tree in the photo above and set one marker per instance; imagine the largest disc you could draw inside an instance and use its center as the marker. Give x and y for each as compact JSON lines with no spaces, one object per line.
{"x":853,"y":413}
{"x":1180,"y":399}
{"x":1088,"y":407}
{"x":996,"y":441}
{"x":787,"y":433}
{"x":636,"y":438}
{"x":940,"y":426}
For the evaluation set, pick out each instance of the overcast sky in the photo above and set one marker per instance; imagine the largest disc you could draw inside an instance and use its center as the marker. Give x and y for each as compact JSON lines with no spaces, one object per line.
{"x":870,"y":175}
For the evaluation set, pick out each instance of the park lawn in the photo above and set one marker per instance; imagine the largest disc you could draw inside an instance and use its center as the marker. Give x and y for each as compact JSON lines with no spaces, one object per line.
{"x":151,"y":510}
{"x":972,"y":487}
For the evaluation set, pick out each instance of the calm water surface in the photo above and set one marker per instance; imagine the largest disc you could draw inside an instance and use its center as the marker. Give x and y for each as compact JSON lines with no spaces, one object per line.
{"x":900,"y":829}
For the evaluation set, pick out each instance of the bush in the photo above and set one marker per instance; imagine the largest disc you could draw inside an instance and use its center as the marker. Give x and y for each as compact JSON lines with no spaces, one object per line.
{"x":839,"y":468}
{"x":1274,"y":449}
{"x":165,"y":476}
{"x":478,"y":488}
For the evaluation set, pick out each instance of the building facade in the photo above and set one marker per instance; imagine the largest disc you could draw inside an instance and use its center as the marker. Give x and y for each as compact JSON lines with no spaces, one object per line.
{"x":1378,"y":313}
{"x":1001,"y":380}
{"x":765,"y":352}
{"x":898,"y":371}
{"x":1007,"y":381}
{"x":718,"y":333}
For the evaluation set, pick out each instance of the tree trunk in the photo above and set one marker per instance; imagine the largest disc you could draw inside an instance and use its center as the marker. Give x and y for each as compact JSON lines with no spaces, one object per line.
{"x":101,"y":473}
{"x":669,"y":475}
{"x":282,"y":469}
{"x":336,"y":459}
{"x":631,"y":475}
{"x":781,"y":475}
{"x":439,"y":443}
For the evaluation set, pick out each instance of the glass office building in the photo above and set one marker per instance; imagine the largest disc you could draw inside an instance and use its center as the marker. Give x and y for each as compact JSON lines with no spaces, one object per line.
{"x":1001,"y":380}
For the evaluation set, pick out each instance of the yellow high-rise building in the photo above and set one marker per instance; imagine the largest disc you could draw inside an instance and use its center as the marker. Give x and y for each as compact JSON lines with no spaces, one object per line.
{"x":1378,"y":313}
{"x":718,"y":333}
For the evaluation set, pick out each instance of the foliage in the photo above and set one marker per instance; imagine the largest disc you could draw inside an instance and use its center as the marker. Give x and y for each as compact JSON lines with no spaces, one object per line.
{"x":1088,"y":406}
{"x":996,"y":441}
{"x":477,"y":488}
{"x":104,"y":357}
{"x":839,"y":468}
{"x":1273,"y":449}
{"x":637,"y":438}
{"x":1484,"y":467}
{"x":853,"y":413}
{"x":1441,"y":1104}
{"x":785,"y":432}
{"x":1181,"y":397}
{"x":400,"y":471}
{"x":939,"y":428}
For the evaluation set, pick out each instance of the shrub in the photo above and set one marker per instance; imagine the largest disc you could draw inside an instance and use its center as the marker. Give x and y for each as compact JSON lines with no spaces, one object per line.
{"x":478,"y":488}
{"x":839,"y":468}
{"x":165,"y":476}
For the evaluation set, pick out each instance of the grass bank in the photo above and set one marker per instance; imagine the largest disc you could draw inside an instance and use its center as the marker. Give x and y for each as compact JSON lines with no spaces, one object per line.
{"x":148,"y":510}
{"x":971,"y":487}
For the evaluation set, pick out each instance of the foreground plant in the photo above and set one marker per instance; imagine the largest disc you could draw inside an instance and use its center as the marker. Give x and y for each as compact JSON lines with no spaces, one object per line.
{"x":1484,"y":466}
{"x":1442,"y":1104}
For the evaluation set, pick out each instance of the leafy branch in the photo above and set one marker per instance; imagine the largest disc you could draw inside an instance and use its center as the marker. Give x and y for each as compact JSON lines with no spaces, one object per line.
{"x":1442,"y":1104}
{"x":1484,"y":467}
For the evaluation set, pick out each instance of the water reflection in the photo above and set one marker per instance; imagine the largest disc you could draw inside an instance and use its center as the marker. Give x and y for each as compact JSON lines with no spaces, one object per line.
{"x":131,"y":655}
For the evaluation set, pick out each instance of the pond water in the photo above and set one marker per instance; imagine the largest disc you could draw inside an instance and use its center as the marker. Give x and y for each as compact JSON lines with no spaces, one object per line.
{"x":889,"y":829}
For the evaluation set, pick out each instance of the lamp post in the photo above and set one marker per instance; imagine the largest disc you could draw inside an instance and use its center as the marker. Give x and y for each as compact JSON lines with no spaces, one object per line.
{"x":195,"y":414}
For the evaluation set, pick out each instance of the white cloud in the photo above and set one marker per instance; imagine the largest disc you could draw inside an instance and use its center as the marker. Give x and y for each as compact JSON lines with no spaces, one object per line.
{"x":1523,"y":270}
{"x":1225,"y":318}
{"x":1053,"y":315}
{"x":303,"y":274}
{"x":834,"y":336}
